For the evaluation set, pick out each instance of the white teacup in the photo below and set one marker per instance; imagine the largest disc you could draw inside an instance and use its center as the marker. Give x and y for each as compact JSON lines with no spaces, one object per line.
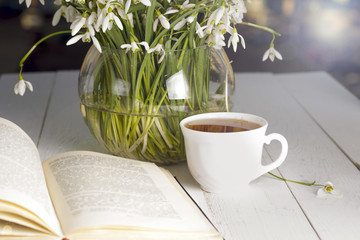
{"x":225,"y":161}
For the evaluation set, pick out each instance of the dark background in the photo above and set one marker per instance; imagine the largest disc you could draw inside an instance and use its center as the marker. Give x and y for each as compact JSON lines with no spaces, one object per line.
{"x":316,"y":35}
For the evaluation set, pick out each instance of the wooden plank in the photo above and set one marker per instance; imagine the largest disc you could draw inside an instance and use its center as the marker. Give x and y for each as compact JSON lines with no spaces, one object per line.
{"x":331,"y":105}
{"x":27,"y":111}
{"x":265,"y":211}
{"x":312,"y":155}
{"x":64,"y":128}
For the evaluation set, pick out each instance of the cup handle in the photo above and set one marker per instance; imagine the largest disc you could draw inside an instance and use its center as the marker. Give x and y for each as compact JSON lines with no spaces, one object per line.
{"x":283,"y":154}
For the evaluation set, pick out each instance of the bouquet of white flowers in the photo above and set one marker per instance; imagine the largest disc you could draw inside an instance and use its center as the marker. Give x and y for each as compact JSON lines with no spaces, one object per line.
{"x":143,"y":25}
{"x":146,"y":52}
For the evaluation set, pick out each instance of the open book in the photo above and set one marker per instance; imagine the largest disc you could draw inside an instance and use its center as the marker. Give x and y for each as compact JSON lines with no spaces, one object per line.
{"x":88,"y":195}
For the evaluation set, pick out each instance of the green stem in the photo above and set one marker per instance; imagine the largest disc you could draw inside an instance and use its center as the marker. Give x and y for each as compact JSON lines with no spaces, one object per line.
{"x":261,"y":27}
{"x":297,"y":182}
{"x":21,"y":64}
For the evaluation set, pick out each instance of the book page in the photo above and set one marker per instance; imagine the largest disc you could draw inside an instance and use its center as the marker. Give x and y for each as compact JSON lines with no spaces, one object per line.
{"x":93,"y":189}
{"x":22,"y":180}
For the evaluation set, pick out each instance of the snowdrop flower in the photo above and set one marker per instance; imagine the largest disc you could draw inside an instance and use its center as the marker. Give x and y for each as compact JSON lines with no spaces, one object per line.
{"x":134,"y":46}
{"x":214,"y":19}
{"x":163,"y":21}
{"x":327,"y":190}
{"x":127,"y":6}
{"x":216,"y":39}
{"x":272,"y":53}
{"x":159,"y":49}
{"x":183,"y":21}
{"x":145,"y":2}
{"x":216,"y":16}
{"x":90,"y":21}
{"x":110,"y":19}
{"x":234,"y":39}
{"x":86,"y":37}
{"x":180,"y":24}
{"x":200,"y":30}
{"x":21,"y":86}
{"x":78,"y":24}
{"x":28,"y":2}
{"x":187,"y":5}
{"x":58,"y":14}
{"x":237,"y":10}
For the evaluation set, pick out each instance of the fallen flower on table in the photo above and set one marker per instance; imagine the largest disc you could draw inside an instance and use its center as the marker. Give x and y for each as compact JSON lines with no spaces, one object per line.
{"x":21,"y":86}
{"x":326,"y":189}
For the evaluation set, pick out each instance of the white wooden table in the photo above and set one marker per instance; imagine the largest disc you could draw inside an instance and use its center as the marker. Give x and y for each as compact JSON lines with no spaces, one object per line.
{"x":320,"y":119}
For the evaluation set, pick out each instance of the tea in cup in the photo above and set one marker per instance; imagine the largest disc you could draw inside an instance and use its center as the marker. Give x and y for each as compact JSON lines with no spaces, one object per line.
{"x":224,"y":149}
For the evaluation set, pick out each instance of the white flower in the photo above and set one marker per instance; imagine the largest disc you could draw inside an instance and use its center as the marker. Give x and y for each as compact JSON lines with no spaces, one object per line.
{"x":183,"y":21}
{"x":90,"y":21}
{"x":28,"y":2}
{"x":217,"y":38}
{"x":180,"y":24}
{"x":237,"y":10}
{"x":187,"y":5}
{"x":163,"y":21}
{"x":272,"y":53}
{"x":327,"y":190}
{"x":127,"y":5}
{"x":77,"y":24}
{"x":145,"y":2}
{"x":86,"y":37}
{"x":216,"y":15}
{"x":200,"y":30}
{"x":234,"y":39}
{"x":21,"y":86}
{"x":58,"y":15}
{"x":159,"y":49}
{"x":134,"y":46}
{"x":109,"y":19}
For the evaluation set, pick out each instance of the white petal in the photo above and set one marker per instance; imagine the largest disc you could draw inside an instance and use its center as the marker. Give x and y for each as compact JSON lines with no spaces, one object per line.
{"x":134,"y":46}
{"x":57,"y":17}
{"x":242,"y":41}
{"x":272,"y":56}
{"x":90,"y":20}
{"x":122,"y":13}
{"x":105,"y":23}
{"x":156,"y":21}
{"x":125,"y":46}
{"x":29,"y":85}
{"x":78,"y":25}
{"x":145,"y":44}
{"x":96,"y":43}
{"x":151,"y":50}
{"x":28,"y":3}
{"x":146,"y":2}
{"x":164,"y":22}
{"x":20,"y":88}
{"x":219,"y":14}
{"x":74,"y":39}
{"x":42,"y":2}
{"x":171,"y":11}
{"x":131,"y":19}
{"x":190,"y":19}
{"x":118,"y":22}
{"x":180,"y":24}
{"x":91,"y":30}
{"x":162,"y":57}
{"x":127,"y":5}
{"x":278,"y":55}
{"x":199,"y":30}
{"x":266,"y":55}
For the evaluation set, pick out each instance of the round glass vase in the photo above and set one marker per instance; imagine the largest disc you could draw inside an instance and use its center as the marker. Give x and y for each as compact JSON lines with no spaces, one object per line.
{"x":133,"y":102}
